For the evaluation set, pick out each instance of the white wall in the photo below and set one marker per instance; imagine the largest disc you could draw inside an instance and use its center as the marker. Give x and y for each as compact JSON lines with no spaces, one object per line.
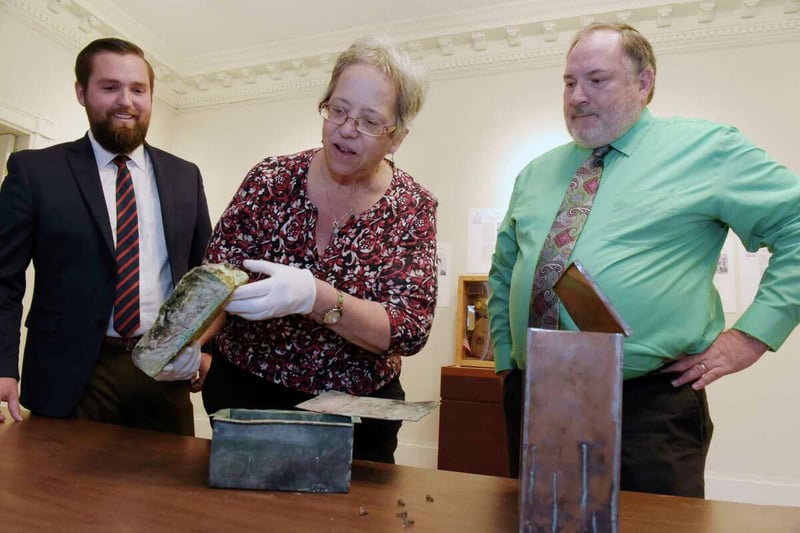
{"x":471,"y":138}
{"x":40,"y":80}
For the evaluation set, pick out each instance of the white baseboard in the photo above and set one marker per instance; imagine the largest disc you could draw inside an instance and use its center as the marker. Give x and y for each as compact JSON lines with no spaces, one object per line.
{"x":734,"y":487}
{"x":202,"y":427}
{"x":415,"y":454}
{"x":723,"y":486}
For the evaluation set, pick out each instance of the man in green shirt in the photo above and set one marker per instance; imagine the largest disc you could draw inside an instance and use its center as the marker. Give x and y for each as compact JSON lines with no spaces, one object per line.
{"x":669,"y":192}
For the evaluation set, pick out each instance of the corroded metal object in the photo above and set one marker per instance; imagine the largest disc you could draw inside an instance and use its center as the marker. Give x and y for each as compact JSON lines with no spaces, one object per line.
{"x":281,"y":450}
{"x":193,"y":305}
{"x":569,"y":480}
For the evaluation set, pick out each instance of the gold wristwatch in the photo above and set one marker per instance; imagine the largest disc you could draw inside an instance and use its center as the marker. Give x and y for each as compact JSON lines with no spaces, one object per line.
{"x":333,"y":315}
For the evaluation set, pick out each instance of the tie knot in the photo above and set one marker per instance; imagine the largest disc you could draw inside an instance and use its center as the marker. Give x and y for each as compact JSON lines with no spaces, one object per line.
{"x":120,"y":160}
{"x":598,"y":154}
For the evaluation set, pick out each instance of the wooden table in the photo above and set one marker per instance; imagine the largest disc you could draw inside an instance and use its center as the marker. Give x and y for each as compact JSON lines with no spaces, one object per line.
{"x":72,"y":475}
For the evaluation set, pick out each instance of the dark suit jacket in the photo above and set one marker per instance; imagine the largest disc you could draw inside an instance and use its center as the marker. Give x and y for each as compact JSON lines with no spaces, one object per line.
{"x":52,"y":211}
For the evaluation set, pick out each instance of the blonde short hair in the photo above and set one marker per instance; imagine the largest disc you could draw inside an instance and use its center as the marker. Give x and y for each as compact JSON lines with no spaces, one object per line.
{"x":409,"y":78}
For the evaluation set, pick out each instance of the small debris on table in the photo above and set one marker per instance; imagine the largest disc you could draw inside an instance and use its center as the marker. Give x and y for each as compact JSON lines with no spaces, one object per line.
{"x":362,"y":511}
{"x":407,"y":522}
{"x":428,"y":498}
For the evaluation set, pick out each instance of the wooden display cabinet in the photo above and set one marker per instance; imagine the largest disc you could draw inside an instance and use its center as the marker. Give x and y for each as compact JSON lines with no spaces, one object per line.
{"x":472,"y":428}
{"x":473,"y":345}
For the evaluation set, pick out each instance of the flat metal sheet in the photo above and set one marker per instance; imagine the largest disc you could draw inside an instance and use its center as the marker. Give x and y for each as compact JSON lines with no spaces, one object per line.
{"x":587,"y":305}
{"x":340,"y":403}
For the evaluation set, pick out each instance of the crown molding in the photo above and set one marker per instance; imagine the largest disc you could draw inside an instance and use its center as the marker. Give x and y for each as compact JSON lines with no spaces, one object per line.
{"x":526,"y":34}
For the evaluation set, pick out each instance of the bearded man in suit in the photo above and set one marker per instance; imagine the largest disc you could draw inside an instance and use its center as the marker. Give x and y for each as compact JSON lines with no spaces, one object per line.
{"x":111,"y":224}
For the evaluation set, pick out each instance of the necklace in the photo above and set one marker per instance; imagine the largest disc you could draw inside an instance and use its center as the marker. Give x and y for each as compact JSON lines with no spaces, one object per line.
{"x":337,"y":221}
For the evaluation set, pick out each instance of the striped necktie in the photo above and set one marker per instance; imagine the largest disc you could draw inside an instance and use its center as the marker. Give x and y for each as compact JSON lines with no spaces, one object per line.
{"x":561,"y":240}
{"x":126,"y":300}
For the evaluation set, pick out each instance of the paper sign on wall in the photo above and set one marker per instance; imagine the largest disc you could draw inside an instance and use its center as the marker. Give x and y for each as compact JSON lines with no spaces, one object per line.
{"x":481,"y":237}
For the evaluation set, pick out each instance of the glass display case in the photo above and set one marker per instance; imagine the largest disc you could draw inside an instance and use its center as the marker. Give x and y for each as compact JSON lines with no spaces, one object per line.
{"x":473,"y":345}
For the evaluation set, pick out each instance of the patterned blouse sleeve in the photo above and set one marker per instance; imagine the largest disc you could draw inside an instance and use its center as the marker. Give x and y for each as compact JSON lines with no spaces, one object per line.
{"x":411,"y":279}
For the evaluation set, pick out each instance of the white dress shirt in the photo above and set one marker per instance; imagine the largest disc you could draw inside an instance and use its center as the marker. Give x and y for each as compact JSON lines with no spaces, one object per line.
{"x":155,"y":277}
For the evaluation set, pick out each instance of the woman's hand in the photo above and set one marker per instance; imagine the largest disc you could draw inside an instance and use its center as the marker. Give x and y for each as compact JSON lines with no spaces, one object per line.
{"x":183,"y":366}
{"x":287,"y":290}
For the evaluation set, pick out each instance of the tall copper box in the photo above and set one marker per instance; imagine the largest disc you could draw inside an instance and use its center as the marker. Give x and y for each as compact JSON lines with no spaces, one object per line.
{"x":297,"y":451}
{"x":571,"y":436}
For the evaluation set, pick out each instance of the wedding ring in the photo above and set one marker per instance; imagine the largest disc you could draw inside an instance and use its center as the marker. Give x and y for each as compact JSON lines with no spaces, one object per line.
{"x":703,"y":366}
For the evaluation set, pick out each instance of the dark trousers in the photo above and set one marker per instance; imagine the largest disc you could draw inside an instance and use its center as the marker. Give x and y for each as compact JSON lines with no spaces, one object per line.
{"x":119,"y":393}
{"x":228,"y":386}
{"x":666,"y":432}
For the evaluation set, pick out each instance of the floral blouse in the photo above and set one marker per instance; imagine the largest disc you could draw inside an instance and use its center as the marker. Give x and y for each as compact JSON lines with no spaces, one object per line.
{"x":386,"y":254}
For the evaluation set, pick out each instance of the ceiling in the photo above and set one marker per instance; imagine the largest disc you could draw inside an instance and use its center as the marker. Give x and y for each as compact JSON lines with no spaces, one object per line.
{"x":199,"y":27}
{"x":208,"y":52}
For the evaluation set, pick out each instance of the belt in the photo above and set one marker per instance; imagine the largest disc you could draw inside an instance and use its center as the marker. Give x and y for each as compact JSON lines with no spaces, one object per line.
{"x":656,"y":374}
{"x":121,"y":343}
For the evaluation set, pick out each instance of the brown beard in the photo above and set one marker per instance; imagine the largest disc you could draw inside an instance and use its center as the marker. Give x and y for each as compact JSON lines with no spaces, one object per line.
{"x":118,"y":140}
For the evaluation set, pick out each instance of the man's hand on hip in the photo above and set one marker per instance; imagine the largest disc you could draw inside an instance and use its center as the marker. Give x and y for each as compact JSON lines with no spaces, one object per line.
{"x":731,"y":352}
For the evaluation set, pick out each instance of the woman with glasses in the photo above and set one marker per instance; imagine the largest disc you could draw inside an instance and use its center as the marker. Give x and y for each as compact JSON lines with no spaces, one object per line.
{"x":341,"y":246}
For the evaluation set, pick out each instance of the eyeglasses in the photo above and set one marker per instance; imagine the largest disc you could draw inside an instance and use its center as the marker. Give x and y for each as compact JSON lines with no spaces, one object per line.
{"x":366,"y":125}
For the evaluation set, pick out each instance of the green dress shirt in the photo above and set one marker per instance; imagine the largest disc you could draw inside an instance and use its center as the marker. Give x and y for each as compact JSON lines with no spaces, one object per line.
{"x":670,"y":190}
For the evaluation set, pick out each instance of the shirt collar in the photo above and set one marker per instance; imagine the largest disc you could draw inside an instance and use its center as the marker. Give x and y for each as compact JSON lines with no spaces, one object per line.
{"x":103,"y":157}
{"x":631,"y":138}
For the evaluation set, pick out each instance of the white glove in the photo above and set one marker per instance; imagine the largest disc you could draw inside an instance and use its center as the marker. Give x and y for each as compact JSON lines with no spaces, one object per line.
{"x":286,"y":291}
{"x":183,"y":366}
